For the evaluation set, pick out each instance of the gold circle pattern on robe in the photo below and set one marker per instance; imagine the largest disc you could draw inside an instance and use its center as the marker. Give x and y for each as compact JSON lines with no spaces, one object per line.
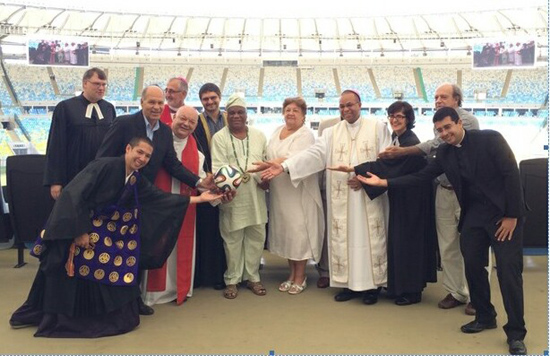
{"x":37,"y":249}
{"x":113,"y":277}
{"x":94,"y":237}
{"x":117,"y":261}
{"x":133,"y":229}
{"x":116,"y":216}
{"x":111,"y":226}
{"x":128,"y":278}
{"x":126,"y":217}
{"x":132,"y":244}
{"x":123,"y":230}
{"x":99,"y":273}
{"x":104,"y":257}
{"x":84,"y":270}
{"x":97,"y":222}
{"x":88,"y":254}
{"x":108,"y":241}
{"x":130,"y":261}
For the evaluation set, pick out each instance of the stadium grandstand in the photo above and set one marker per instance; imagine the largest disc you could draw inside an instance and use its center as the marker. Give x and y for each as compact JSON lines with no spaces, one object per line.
{"x":402,"y":53}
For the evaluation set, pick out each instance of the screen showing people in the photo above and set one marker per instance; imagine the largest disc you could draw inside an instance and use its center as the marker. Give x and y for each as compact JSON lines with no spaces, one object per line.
{"x":58,"y":52}
{"x":515,"y":53}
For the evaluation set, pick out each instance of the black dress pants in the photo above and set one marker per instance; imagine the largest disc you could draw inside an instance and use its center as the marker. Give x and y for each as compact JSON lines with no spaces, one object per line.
{"x":477,"y":235}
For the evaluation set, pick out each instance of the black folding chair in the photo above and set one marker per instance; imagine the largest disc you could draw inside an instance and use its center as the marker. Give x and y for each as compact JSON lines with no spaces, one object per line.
{"x":29,"y":201}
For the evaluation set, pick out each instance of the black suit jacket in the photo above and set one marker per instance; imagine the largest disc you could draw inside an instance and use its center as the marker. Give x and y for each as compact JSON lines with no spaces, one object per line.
{"x":494,"y":169}
{"x":126,"y":127}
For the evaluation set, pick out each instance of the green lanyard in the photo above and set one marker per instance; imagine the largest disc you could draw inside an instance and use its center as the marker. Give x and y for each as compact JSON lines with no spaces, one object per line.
{"x":246,"y":176}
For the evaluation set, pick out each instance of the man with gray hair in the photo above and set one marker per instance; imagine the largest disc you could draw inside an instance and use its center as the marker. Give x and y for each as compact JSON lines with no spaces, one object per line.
{"x":175,"y":94}
{"x":447,"y":209}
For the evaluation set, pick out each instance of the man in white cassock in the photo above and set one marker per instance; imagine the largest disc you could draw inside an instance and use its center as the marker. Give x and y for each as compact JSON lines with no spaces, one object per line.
{"x":174,"y":281}
{"x":356,"y":225}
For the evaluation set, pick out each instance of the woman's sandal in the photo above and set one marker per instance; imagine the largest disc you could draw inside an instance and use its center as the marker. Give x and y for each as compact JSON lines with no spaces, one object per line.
{"x":297,"y":288}
{"x":285,"y":286}
{"x":256,"y":288}
{"x":230,"y":291}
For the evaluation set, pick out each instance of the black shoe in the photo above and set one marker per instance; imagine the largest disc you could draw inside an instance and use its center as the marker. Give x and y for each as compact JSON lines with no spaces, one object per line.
{"x":19,"y":324}
{"x":371,"y":296}
{"x":219,"y":286}
{"x":408,"y":299}
{"x":346,"y":294}
{"x":145,"y":309}
{"x":517,"y":347}
{"x":475,"y":326}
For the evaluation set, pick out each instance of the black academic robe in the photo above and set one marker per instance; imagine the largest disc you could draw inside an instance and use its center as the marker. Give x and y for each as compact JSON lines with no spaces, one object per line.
{"x":210,"y":261}
{"x":411,"y":233}
{"x":73,"y":140}
{"x":65,"y":306}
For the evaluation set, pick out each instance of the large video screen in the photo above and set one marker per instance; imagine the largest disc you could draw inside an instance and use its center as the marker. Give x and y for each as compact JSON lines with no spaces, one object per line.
{"x":509,"y":53}
{"x":58,"y":51}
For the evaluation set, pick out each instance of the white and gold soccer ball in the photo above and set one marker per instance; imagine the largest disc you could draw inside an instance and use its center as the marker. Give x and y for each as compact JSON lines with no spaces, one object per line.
{"x":228,"y":177}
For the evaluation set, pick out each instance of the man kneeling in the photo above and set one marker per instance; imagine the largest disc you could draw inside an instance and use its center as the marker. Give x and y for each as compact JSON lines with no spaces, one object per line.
{"x":100,"y":230}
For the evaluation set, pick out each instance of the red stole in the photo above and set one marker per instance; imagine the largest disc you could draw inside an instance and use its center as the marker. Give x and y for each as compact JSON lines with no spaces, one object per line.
{"x":156,"y":278}
{"x":166,"y":117}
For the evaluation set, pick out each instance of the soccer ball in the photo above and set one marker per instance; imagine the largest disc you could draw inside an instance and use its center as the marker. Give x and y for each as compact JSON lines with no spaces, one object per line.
{"x":228,"y":178}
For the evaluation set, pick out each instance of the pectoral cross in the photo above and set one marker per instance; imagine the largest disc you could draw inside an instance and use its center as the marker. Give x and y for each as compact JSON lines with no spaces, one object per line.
{"x":341,"y":152}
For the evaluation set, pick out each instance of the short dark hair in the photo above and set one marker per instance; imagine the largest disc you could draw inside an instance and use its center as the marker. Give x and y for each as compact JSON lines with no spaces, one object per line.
{"x":90,"y":73}
{"x":209,"y":87}
{"x":298,"y":101}
{"x":406,"y":108}
{"x":139,"y":139}
{"x":444,"y":112}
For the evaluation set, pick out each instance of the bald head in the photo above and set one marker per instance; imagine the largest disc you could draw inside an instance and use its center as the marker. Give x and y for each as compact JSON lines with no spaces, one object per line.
{"x":185,"y":121}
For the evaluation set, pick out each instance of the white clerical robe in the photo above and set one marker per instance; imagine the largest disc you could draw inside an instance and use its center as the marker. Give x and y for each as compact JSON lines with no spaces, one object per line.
{"x":170,"y":293}
{"x":365,"y":270}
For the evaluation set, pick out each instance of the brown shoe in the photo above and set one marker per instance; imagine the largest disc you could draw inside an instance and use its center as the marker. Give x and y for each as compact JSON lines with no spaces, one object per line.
{"x":449,"y":302}
{"x":470,"y":310}
{"x":323,"y":282}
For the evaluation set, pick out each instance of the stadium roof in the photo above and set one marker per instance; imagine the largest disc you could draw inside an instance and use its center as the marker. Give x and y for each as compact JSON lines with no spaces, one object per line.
{"x":281,"y":29}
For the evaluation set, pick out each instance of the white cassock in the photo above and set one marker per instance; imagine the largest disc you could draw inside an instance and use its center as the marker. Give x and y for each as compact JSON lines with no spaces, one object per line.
{"x":170,"y":293}
{"x":356,"y":225}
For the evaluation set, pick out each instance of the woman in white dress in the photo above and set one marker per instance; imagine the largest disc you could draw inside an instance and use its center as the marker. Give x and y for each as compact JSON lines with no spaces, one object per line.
{"x":295,"y":211}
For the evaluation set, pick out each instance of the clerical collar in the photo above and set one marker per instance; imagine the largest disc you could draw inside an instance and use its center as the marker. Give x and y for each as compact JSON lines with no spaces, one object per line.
{"x":458,"y":145}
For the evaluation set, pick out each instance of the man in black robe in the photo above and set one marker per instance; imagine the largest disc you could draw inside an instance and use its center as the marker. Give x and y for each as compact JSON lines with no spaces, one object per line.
{"x":72,"y":306}
{"x":78,"y":127}
{"x":210,"y":262}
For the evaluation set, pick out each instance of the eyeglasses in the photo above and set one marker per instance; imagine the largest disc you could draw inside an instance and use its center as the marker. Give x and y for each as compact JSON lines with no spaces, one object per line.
{"x":98,"y":84}
{"x":347,"y":105}
{"x":171,"y":91}
{"x":398,"y":117}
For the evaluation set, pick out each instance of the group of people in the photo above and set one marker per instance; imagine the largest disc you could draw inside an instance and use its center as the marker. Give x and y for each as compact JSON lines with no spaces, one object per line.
{"x":505,"y":54}
{"x":59,"y":53}
{"x":357,"y":200}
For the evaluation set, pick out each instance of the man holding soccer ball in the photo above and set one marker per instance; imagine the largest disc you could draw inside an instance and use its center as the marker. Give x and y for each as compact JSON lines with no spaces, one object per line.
{"x":242,"y":221}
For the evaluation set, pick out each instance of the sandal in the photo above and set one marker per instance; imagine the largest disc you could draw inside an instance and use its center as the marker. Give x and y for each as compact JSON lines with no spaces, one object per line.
{"x":230,"y":291}
{"x":256,"y":288}
{"x":297,"y":288}
{"x":285,"y":286}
